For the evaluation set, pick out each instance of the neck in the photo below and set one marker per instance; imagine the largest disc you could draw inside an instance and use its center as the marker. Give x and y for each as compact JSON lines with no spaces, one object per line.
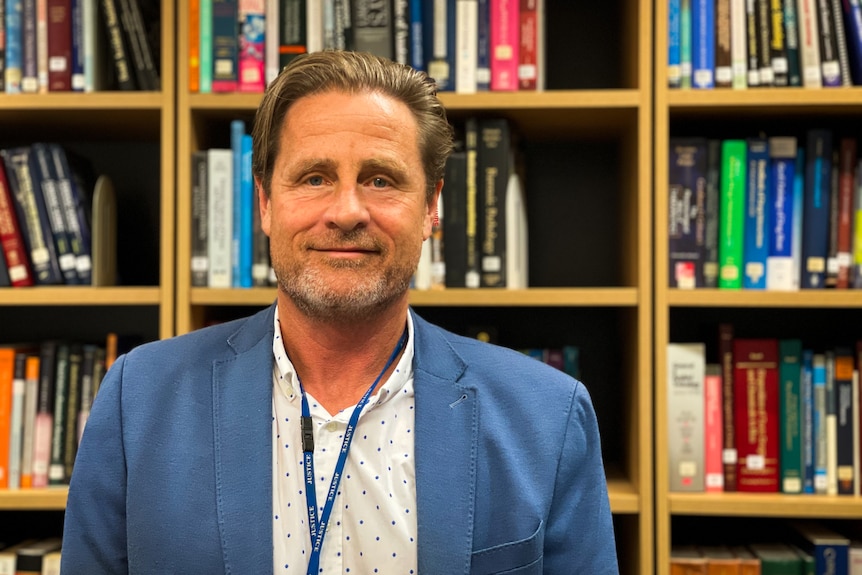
{"x":338,"y":361}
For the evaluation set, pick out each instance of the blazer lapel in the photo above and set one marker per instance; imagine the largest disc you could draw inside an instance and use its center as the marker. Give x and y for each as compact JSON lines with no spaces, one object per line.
{"x":242,"y":415}
{"x":445,"y":444}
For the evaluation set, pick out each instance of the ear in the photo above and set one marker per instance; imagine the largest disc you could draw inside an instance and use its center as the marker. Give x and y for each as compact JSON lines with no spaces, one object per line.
{"x":432,"y":215}
{"x":263,"y":206}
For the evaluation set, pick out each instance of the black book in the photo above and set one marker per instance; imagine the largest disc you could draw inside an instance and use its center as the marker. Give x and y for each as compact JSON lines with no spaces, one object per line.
{"x":454,"y":200}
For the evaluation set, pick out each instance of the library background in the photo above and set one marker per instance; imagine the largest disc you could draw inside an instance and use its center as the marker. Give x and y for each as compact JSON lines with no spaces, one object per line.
{"x":677,"y":226}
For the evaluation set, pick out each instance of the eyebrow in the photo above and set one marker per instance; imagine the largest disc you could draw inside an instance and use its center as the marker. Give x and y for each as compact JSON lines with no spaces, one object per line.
{"x":392,"y":167}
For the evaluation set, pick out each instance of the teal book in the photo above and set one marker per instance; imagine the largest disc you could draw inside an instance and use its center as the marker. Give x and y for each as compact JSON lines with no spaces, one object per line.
{"x":791,"y":416}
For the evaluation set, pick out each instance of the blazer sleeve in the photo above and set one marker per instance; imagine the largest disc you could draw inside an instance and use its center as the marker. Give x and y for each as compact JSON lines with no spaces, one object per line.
{"x":580,"y":535}
{"x":94,"y":535}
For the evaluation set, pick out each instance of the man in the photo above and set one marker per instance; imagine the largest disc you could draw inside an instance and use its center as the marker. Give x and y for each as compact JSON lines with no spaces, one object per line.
{"x":336,"y":431}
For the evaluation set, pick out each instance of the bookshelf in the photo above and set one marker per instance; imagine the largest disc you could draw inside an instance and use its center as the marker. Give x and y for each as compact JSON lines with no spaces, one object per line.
{"x":821,"y":318}
{"x":131,"y":137}
{"x":588,"y":141}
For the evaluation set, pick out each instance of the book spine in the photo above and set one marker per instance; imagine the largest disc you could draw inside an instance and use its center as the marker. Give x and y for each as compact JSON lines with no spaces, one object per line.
{"x":42,"y":46}
{"x":779,"y":262}
{"x":756,"y":231}
{"x":252,"y":39}
{"x":92,"y":52}
{"x":818,"y":379}
{"x":728,"y":413}
{"x":846,"y":183}
{"x":59,"y":45}
{"x":830,"y":68}
{"x":42,"y":439}
{"x":417,"y":36}
{"x":260,"y":268}
{"x":237,"y":130}
{"x":751,"y":35}
{"x":246,"y":205}
{"x":798,"y":206}
{"x":756,"y":404}
{"x":7,"y":377}
{"x":73,"y":402}
{"x":57,"y":468}
{"x":528,"y":50}
{"x":686,"y":201}
{"x":194,"y":46}
{"x":42,"y":165}
{"x":845,"y":450}
{"x":857,"y":230}
{"x":31,"y":391}
{"x":372,"y":27}
{"x":685,"y":396}
{"x":88,"y":364}
{"x":206,"y":46}
{"x":472,"y":275}
{"x":713,"y":444}
{"x":200,"y":259}
{"x":674,"y":72}
{"x":16,"y":428}
{"x":401,"y":31}
{"x":807,"y":440}
{"x":723,"y":66}
{"x":790,"y":410}
{"x":831,"y":426}
{"x":713,"y":189}
{"x":77,"y":58}
{"x":11,"y":239}
{"x":815,"y":222}
{"x":809,"y":43}
{"x":739,"y":44}
{"x":220,"y":216}
{"x":703,"y":43}
{"x":118,"y":49}
{"x":77,"y":227}
{"x":791,"y":35}
{"x":466,"y":46}
{"x":685,"y":43}
{"x":853,"y":24}
{"x":454,"y":195}
{"x":764,"y":35}
{"x":149,"y":67}
{"x":13,"y":69}
{"x":493,"y":169}
{"x":3,"y":46}
{"x":778,"y":41}
{"x":32,"y":216}
{"x":225,"y":41}
{"x":292,"y":38}
{"x":841,"y":40}
{"x":29,"y":48}
{"x":731,"y":214}
{"x":504,"y":17}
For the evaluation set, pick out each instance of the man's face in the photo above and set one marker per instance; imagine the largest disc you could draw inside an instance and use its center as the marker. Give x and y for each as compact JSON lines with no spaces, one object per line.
{"x":347,"y":215}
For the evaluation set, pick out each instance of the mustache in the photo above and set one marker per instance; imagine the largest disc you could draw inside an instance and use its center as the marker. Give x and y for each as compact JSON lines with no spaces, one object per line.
{"x":357,"y":239}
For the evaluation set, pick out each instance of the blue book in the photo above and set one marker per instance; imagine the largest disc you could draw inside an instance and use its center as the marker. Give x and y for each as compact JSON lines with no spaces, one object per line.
{"x":853,"y":29}
{"x":703,"y":43}
{"x":417,"y":35}
{"x":673,"y":44}
{"x":815,"y":218}
{"x":818,"y":419}
{"x":831,"y":550}
{"x":798,"y":208}
{"x":806,"y":393}
{"x":77,"y":45}
{"x":14,"y":56}
{"x":779,"y":262}
{"x":757,"y":223}
{"x":246,"y":206}
{"x":483,"y":60}
{"x":237,"y":131}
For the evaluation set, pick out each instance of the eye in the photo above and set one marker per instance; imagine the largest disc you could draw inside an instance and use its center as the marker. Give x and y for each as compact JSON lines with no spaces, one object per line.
{"x":379,"y":183}
{"x":315,"y":181}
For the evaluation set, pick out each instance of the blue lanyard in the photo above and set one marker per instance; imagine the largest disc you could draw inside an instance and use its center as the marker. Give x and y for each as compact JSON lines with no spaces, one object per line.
{"x":318,"y":531}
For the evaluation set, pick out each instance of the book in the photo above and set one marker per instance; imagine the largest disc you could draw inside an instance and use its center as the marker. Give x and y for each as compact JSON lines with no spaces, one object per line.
{"x":42,"y":438}
{"x":685,"y":43}
{"x":686,"y":212}
{"x":74,"y":212}
{"x":32,"y":216}
{"x":713,"y":430}
{"x":728,"y":413}
{"x":14,"y":65}
{"x":778,"y":42}
{"x":819,"y":423}
{"x":493,"y":167}
{"x":731,"y":213}
{"x":807,"y":434}
{"x":7,"y":379}
{"x":776,"y":558}
{"x":73,"y":404}
{"x":57,"y":466}
{"x":674,"y":71}
{"x":846,"y":450}
{"x":454,"y":199}
{"x":16,"y":419}
{"x":505,"y":46}
{"x":763,"y":41}
{"x":686,"y":366}
{"x":14,"y":250}
{"x":373,"y":29}
{"x":530,"y":45}
{"x":252,"y":40}
{"x":738,"y":44}
{"x":841,"y":43}
{"x":829,"y":549}
{"x":791,"y":37}
{"x":815,"y":219}
{"x":200,"y":259}
{"x":703,"y":44}
{"x":755,"y":234}
{"x":720,"y":560}
{"x":846,"y":172}
{"x":687,"y":560}
{"x":42,"y":171}
{"x":723,"y":60}
{"x":401,"y":31}
{"x":713,"y":188}
{"x":225,"y":45}
{"x":119,"y":50}
{"x":790,"y":414}
{"x":31,"y":557}
{"x":59,"y":38}
{"x":31,"y":391}
{"x":830,"y":68}
{"x":474,"y":222}
{"x":779,"y":211}
{"x":438,"y":21}
{"x":292,"y":38}
{"x":852,"y":11}
{"x":220,"y":216}
{"x":237,"y":130}
{"x":756,"y":405}
{"x":466,"y":46}
{"x":809,"y":43}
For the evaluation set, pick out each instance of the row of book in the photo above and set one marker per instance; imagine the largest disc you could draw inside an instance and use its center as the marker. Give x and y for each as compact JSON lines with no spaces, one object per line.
{"x":57,"y":220}
{"x":466,"y":46}
{"x":768,"y":415}
{"x":479,"y":237}
{"x":810,"y":548}
{"x":80,"y":46}
{"x":46,"y":391}
{"x":770,"y":213}
{"x":31,"y":557}
{"x":758,"y":43}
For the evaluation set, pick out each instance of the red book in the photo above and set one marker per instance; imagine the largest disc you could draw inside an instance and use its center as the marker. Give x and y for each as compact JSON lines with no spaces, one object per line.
{"x":505,"y":17}
{"x":11,"y":240}
{"x":846,"y":183}
{"x":528,"y":68}
{"x":755,"y":383}
{"x":59,"y":45}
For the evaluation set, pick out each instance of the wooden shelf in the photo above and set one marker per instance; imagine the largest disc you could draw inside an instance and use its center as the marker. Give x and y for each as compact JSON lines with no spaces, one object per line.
{"x":783,"y":98}
{"x":608,"y":297}
{"x":751,"y":298}
{"x":50,"y":499}
{"x":622,"y":493}
{"x":66,"y":101}
{"x":83,"y":295}
{"x":766,"y":505}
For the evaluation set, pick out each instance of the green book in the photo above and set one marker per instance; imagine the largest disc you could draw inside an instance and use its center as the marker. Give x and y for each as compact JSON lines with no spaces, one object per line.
{"x":777,"y":559}
{"x":790,"y":409}
{"x":731,"y":214}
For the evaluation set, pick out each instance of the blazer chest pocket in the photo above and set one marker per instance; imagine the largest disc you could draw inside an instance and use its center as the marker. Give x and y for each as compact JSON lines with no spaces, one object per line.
{"x":523,"y":557}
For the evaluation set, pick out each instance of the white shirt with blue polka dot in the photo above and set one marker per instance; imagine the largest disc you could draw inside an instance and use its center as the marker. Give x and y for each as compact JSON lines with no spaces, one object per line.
{"x":373,"y":524}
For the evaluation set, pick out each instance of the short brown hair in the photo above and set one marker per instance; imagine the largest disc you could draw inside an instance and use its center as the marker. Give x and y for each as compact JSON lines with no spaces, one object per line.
{"x":352,"y":72}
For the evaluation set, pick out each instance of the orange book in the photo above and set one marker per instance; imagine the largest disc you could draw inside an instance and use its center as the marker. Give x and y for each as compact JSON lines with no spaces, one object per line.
{"x":31,"y":376}
{"x":7,"y":373}
{"x":194,"y":47}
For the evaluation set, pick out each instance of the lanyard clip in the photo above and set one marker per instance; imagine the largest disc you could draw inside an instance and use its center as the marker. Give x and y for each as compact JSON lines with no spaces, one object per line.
{"x":307,"y":434}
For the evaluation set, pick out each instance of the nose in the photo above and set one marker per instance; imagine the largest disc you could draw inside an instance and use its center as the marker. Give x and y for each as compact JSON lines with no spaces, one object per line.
{"x":348,"y":207}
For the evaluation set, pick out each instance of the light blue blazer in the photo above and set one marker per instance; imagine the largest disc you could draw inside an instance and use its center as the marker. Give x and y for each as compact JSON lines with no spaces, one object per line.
{"x":174,"y":473}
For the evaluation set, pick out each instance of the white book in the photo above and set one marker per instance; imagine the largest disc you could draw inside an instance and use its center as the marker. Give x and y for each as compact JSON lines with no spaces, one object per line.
{"x":686,"y":371}
{"x":831,"y":427}
{"x":517,"y":239}
{"x":854,"y":555}
{"x":314,"y":26}
{"x":16,"y":428}
{"x":271,"y":40}
{"x":422,"y":277}
{"x":466,"y":46}
{"x":31,"y":394}
{"x":541,"y":74}
{"x":809,"y":43}
{"x":219,"y":216}
{"x":42,"y":45}
{"x":738,"y":46}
